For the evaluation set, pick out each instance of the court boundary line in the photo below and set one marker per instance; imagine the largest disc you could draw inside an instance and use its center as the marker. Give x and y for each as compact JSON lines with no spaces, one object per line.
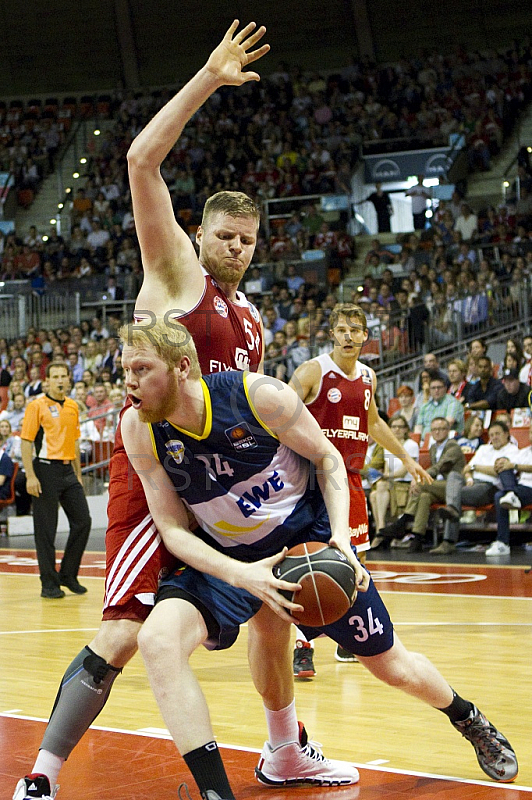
{"x":240,"y":748}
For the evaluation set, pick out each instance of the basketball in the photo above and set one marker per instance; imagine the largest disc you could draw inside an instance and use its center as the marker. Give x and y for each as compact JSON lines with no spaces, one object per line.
{"x":327,"y":582}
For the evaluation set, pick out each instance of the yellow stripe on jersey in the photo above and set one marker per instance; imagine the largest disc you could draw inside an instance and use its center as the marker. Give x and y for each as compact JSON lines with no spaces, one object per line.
{"x":154,"y":446}
{"x":208,"y":417}
{"x":253,"y":409}
{"x":227,"y":528}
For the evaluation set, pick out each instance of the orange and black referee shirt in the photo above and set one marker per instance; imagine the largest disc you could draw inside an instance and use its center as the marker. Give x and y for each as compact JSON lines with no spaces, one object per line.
{"x":53,"y":426}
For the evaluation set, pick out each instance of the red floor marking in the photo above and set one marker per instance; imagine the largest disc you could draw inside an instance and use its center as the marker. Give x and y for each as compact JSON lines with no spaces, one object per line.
{"x":108,"y":765}
{"x":25,"y":562}
{"x":472,"y":579}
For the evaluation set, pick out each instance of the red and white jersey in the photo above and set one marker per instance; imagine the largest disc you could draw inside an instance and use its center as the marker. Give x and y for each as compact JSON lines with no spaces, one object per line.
{"x":226,"y":333}
{"x":227,"y":336}
{"x":341,"y":408}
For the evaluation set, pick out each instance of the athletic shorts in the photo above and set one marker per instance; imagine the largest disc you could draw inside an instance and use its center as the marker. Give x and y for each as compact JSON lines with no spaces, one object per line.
{"x":358,"y":513}
{"x":366,"y":629}
{"x":136,"y":558}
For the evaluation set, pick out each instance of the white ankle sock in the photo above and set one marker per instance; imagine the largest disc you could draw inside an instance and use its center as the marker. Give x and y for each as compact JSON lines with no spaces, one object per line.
{"x":283,"y":726}
{"x":49,"y":765}
{"x":300,"y":637}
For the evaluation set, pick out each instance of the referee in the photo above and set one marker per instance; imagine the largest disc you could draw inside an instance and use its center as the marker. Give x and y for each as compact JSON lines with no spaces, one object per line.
{"x":53,"y":476}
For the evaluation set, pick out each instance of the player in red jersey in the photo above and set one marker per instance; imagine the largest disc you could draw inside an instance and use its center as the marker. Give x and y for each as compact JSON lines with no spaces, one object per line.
{"x":339,"y":392}
{"x":202,"y":294}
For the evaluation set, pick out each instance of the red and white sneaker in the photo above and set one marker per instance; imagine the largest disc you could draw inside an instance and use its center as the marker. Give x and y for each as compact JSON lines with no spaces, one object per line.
{"x":303,"y":660}
{"x":300,"y":763}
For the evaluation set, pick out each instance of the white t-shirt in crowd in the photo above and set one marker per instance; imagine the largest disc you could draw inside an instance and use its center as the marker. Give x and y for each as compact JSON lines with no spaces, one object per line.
{"x":394,"y":464}
{"x":524,"y":457}
{"x":486,"y":456}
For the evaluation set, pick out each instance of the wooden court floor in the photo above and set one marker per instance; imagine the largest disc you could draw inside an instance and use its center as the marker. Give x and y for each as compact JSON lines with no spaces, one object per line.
{"x":474,"y":622}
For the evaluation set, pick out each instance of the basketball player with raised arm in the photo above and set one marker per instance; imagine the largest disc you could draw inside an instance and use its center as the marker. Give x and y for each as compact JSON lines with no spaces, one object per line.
{"x":227,"y":330}
{"x":339,"y":393}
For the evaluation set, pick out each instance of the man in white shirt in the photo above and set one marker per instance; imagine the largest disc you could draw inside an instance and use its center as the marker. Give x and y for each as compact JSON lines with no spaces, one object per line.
{"x":467,"y":223}
{"x":516,"y":493}
{"x":481,"y":476}
{"x":419,"y":196}
{"x":98,"y":237}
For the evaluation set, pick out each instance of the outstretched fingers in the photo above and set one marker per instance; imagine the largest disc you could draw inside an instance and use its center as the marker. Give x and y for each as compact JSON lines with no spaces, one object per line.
{"x":256,"y":54}
{"x":246,"y":30}
{"x":231,"y":29}
{"x":254,"y":38}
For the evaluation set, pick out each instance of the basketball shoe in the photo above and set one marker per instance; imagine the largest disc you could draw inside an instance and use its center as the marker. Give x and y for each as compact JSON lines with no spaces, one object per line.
{"x":345,"y":655}
{"x":34,"y":786}
{"x":184,"y":794}
{"x":303,"y":663}
{"x":494,"y":752}
{"x":300,"y":763}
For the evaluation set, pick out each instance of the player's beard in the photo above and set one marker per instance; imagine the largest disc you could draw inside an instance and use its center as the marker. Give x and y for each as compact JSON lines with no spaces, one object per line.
{"x":166,"y":405}
{"x":225,"y":274}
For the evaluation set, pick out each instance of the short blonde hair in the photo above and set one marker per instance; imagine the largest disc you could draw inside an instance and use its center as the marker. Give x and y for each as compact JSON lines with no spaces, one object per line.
{"x":350,"y":311}
{"x":235,"y":204}
{"x":458,"y":363}
{"x":170,"y":340}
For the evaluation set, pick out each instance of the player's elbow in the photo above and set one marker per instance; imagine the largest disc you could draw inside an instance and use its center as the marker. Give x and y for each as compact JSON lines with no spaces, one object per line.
{"x":138,"y":159}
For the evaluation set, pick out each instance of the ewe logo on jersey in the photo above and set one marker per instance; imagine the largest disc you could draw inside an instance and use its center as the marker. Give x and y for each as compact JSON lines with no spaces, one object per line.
{"x":351,"y":423}
{"x":334,"y":395}
{"x":250,"y":502}
{"x":220,"y":306}
{"x":241,"y":437}
{"x":176,"y":450}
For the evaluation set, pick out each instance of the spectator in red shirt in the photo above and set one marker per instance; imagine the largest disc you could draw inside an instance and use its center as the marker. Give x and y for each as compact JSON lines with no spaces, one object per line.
{"x":102,"y":405}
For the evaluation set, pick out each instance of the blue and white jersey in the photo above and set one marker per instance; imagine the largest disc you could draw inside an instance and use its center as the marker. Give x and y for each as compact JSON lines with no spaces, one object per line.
{"x":248,"y":492}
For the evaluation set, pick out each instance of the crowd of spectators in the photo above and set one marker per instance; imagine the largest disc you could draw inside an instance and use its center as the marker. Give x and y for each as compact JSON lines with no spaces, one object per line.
{"x":463,"y":392}
{"x":485,"y":416}
{"x":291,"y":134}
{"x":425,"y":100}
{"x":31,"y":135}
{"x":467,"y":270}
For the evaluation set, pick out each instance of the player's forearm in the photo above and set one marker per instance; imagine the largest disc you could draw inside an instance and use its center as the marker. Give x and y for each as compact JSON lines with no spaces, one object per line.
{"x":332,"y":480}
{"x":155,"y":141}
{"x":187,"y":547}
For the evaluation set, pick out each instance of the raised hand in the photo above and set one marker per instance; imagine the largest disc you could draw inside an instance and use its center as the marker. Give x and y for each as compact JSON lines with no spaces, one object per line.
{"x":229,"y":59}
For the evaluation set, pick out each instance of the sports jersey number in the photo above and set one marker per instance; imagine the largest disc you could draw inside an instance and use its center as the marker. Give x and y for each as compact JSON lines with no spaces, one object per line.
{"x":220,"y":467}
{"x":362,"y":633}
{"x":367,"y":398}
{"x":249,"y":332}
